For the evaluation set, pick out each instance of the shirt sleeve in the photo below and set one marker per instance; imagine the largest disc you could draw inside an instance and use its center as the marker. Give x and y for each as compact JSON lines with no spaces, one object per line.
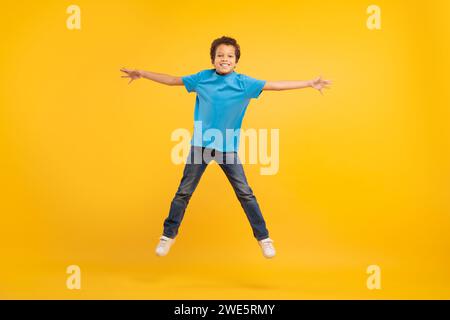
{"x":190,"y":81}
{"x":253,"y":87}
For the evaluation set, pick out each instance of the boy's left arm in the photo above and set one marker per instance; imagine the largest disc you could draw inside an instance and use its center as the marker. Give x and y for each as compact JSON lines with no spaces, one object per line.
{"x":317,"y":83}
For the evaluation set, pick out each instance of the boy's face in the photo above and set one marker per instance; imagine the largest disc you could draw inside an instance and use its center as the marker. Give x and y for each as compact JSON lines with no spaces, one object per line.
{"x":225,"y":59}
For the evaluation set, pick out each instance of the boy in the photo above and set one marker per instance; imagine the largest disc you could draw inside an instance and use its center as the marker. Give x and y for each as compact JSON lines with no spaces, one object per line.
{"x":222,"y":98}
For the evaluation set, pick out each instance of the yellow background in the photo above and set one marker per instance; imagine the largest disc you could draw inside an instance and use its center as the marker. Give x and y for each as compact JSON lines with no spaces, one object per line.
{"x":87,"y":179}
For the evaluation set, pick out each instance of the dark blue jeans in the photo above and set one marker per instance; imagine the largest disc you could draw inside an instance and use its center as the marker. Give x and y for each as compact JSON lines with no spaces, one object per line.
{"x":193,"y":171}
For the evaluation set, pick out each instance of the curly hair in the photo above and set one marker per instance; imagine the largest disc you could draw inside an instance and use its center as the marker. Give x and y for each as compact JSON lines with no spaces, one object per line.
{"x":228,"y":41}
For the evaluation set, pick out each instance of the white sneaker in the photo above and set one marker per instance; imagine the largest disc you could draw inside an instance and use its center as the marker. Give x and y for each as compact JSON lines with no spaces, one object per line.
{"x":267,"y":247}
{"x":163,"y":246}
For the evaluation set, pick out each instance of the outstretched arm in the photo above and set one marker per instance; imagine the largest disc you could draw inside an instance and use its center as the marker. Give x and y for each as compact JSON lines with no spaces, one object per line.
{"x":317,"y":83}
{"x":158,"y":77}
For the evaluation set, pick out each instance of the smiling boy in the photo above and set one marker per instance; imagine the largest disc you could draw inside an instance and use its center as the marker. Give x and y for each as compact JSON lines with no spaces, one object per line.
{"x":222,"y":99}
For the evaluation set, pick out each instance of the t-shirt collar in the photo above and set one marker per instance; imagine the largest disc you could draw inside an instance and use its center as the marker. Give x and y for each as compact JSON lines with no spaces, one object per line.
{"x":223,"y":75}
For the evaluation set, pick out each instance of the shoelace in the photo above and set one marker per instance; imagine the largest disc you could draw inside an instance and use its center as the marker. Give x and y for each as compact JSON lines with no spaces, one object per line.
{"x":163,"y":242}
{"x":267,"y":245}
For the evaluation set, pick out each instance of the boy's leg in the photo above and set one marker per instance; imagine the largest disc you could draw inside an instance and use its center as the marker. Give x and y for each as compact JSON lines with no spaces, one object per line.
{"x":192,"y":173}
{"x":235,"y":173}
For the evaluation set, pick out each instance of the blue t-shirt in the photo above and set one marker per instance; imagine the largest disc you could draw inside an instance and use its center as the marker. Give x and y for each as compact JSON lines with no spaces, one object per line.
{"x":220,"y":106}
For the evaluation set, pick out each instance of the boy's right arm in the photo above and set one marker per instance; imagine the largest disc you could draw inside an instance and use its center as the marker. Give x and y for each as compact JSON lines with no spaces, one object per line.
{"x":154,"y":76}
{"x":161,"y":78}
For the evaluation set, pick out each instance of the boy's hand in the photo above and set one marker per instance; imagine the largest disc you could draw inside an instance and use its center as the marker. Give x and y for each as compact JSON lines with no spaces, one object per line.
{"x":132,"y":74}
{"x":319,"y":84}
